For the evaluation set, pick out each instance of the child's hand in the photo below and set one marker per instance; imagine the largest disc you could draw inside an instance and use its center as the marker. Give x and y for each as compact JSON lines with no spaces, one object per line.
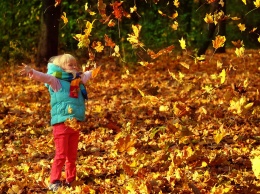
{"x":26,"y":69}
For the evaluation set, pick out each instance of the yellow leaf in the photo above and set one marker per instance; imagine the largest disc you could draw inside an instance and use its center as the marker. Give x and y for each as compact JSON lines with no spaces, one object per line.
{"x":86,"y":6}
{"x":258,"y":38}
{"x":174,"y":15}
{"x":116,"y":51}
{"x":64,"y":18}
{"x":175,"y":25}
{"x":92,"y":13}
{"x":220,"y":134}
{"x":240,"y":51}
{"x":176,"y":3}
{"x":133,"y":9}
{"x":249,"y":105}
{"x":219,"y":41}
{"x":182,"y":43}
{"x":99,"y":47}
{"x":98,"y":109}
{"x":95,"y":71}
{"x":209,"y":18}
{"x":257,"y":3}
{"x":163,"y":108}
{"x":141,"y":93}
{"x":204,"y":164}
{"x":244,"y":1}
{"x":185,"y":65}
{"x":222,"y":76}
{"x":256,"y":166}
{"x":219,"y":65}
{"x":242,"y":27}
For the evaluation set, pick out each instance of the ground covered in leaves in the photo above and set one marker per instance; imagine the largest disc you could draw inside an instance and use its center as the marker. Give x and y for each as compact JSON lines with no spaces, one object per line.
{"x":177,"y":125}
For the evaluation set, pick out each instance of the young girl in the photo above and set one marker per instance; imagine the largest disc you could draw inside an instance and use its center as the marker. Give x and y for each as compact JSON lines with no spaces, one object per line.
{"x":68,"y":95}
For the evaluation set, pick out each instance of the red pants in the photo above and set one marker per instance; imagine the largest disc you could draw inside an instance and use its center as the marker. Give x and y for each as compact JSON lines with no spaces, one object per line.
{"x":66,"y":143}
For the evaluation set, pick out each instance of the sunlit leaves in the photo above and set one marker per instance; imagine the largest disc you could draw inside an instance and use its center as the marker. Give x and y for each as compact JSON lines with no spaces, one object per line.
{"x":83,"y":39}
{"x":244,"y":1}
{"x":237,"y":106}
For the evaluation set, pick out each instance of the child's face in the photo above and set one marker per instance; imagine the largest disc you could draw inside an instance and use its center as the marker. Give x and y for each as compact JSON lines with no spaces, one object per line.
{"x":71,"y":67}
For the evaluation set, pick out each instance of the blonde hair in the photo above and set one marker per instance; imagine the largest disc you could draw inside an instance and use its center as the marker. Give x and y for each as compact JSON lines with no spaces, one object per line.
{"x":63,"y":60}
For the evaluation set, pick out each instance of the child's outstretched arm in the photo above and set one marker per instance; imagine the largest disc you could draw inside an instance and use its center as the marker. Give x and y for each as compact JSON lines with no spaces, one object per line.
{"x":42,"y":77}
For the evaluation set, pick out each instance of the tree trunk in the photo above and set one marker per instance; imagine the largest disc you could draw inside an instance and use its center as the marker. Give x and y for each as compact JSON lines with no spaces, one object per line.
{"x":48,"y":44}
{"x":221,"y":30}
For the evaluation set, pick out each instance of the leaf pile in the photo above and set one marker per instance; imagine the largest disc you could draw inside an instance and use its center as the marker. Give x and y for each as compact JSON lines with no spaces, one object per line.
{"x":162,"y":128}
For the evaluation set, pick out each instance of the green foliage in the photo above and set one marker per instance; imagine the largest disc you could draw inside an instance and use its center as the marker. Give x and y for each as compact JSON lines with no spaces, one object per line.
{"x":19,"y":21}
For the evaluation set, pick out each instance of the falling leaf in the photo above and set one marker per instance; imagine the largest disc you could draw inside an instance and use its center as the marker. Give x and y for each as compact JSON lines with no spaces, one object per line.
{"x":161,"y":13}
{"x":238,"y":43}
{"x":175,"y":25}
{"x":133,"y":9}
{"x":242,"y":27}
{"x":244,"y":1}
{"x":182,"y":43}
{"x":209,"y":18}
{"x":257,"y":3}
{"x":222,"y":76}
{"x":161,"y":52}
{"x":134,"y":38}
{"x":174,"y":15}
{"x":187,"y":66}
{"x":64,"y":18}
{"x":98,"y":46}
{"x":86,"y":6}
{"x":219,"y":41}
{"x":116,"y":51}
{"x":240,"y":51}
{"x":109,"y":42}
{"x":57,"y":2}
{"x":176,"y":3}
{"x":221,"y":2}
{"x":95,"y":72}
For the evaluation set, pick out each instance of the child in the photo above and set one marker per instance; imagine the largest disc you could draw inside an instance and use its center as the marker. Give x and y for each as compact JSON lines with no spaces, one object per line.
{"x":68,"y":95}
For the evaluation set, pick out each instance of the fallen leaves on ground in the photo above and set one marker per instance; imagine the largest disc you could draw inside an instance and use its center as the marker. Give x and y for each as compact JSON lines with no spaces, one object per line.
{"x":200,"y":135}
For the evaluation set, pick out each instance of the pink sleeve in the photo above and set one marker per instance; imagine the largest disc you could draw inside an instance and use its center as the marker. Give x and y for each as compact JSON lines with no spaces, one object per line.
{"x":86,"y":76}
{"x":46,"y":78}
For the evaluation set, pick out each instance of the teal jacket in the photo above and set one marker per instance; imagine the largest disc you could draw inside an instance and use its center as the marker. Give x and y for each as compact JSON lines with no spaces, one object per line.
{"x":64,"y":107}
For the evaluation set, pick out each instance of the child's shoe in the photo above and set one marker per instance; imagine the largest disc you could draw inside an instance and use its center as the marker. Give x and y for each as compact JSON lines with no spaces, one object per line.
{"x":55,"y":186}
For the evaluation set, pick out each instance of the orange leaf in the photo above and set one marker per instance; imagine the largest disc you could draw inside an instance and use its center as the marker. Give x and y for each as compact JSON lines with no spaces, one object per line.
{"x":109,"y":42}
{"x":219,"y":41}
